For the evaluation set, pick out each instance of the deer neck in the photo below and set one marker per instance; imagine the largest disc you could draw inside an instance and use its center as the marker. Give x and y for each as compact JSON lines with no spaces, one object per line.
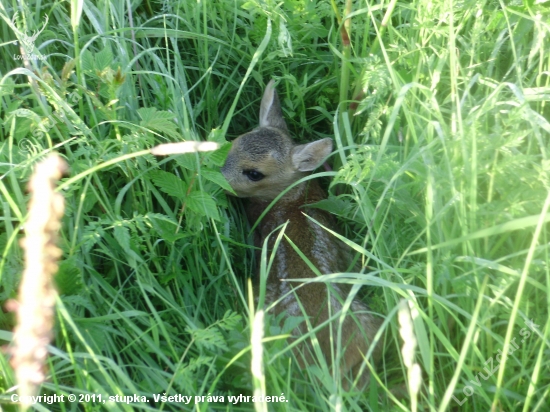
{"x":288,"y":208}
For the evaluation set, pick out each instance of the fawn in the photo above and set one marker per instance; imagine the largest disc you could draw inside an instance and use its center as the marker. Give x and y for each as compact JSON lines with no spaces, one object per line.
{"x":260,"y":165}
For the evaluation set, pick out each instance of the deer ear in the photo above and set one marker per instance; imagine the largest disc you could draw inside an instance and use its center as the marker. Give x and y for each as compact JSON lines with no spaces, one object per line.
{"x":271,"y":114}
{"x":310,"y":156}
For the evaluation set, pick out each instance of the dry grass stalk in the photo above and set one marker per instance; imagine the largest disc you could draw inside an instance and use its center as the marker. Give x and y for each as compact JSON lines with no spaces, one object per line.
{"x":183,"y":147}
{"x":35,"y":309}
{"x":406,"y":330}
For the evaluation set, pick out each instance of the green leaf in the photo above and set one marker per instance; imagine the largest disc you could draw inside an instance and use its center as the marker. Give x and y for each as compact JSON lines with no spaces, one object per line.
{"x":217,"y":178}
{"x":92,"y":234}
{"x":203,"y":204}
{"x":332,"y":204}
{"x":103,"y":59}
{"x":88,"y":61}
{"x":216,"y":135}
{"x":210,"y":338}
{"x":79,"y":301}
{"x":187,"y":161}
{"x":7,"y":88}
{"x":169,"y":183}
{"x":159,"y":121}
{"x":68,"y":277}
{"x":122,"y":236}
{"x":124,"y":239}
{"x":217,"y":157}
{"x":230,"y":320}
{"x":166,"y":227}
{"x":10,"y":278}
{"x":89,"y":201}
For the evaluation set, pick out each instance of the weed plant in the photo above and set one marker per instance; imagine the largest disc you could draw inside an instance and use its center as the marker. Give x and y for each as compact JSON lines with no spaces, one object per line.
{"x":441,"y":182}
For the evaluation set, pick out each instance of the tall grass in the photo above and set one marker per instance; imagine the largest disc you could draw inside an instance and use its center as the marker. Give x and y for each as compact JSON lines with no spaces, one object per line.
{"x":440,"y":116}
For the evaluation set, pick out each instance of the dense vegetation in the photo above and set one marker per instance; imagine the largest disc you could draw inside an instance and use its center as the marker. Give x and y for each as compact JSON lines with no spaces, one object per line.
{"x":440,"y":115}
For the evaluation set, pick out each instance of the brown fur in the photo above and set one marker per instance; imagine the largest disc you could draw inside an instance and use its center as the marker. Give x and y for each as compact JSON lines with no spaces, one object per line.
{"x":270,"y":151}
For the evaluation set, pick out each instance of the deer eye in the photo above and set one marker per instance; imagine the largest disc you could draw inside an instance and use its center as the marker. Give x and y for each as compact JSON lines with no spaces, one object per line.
{"x":253,"y":175}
